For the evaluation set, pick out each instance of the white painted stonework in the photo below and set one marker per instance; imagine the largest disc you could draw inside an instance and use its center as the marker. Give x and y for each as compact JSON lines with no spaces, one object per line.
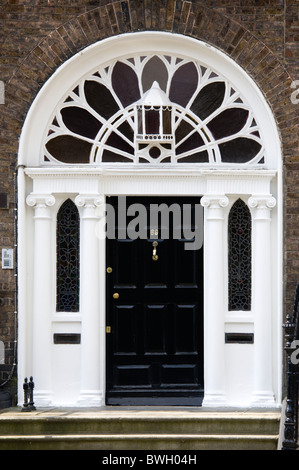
{"x":239,"y":375}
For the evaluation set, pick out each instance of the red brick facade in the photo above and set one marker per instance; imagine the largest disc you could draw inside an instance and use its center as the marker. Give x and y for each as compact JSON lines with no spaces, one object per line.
{"x":37,"y":36}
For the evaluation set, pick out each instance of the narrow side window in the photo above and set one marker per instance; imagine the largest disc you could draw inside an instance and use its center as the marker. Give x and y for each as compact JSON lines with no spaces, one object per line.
{"x":239,"y":257}
{"x":68,"y":272}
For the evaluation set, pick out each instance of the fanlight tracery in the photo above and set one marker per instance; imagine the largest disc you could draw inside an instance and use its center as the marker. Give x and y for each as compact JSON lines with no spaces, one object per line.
{"x":97,"y":123}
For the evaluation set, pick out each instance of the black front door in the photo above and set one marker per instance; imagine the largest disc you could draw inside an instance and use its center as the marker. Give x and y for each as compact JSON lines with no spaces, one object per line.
{"x":154,"y":310}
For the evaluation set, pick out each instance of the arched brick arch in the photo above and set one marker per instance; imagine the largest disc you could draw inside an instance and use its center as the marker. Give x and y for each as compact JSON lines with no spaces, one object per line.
{"x":188,"y":18}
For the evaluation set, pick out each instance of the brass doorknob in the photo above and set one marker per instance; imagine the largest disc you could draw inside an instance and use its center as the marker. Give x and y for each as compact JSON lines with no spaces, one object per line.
{"x":115,"y":295}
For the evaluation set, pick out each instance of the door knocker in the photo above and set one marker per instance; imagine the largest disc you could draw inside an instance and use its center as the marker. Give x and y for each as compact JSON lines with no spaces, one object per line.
{"x":155,"y":256}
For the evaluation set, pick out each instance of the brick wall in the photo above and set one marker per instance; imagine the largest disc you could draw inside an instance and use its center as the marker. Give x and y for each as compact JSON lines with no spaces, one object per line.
{"x":37,"y":36}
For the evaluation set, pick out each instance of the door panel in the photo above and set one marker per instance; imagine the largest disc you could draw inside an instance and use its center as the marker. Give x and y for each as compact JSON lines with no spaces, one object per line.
{"x":155,"y":347}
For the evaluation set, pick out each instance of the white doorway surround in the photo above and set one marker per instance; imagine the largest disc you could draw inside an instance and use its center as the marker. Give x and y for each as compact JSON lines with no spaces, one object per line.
{"x":236,"y":373}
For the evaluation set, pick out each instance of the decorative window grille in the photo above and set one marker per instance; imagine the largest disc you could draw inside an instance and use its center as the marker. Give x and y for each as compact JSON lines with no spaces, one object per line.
{"x":67,"y":297}
{"x":98,"y":122}
{"x":239,"y":257}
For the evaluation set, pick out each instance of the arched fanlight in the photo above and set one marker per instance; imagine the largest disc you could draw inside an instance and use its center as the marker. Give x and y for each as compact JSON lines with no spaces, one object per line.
{"x":189,"y":115}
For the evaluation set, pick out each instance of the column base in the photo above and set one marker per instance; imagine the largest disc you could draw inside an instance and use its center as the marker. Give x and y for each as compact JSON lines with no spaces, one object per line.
{"x":214,"y":399}
{"x":90,"y":398}
{"x":42,"y":398}
{"x":263,"y":400}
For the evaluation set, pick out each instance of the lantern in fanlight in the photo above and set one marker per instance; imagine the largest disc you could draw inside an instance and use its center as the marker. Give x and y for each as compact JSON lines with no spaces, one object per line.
{"x":154,"y":129}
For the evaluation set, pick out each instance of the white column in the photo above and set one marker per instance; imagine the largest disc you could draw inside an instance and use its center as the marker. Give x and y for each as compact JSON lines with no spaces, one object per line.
{"x":90,"y":393}
{"x":42,"y":298}
{"x":262,"y":299}
{"x":214,"y":293}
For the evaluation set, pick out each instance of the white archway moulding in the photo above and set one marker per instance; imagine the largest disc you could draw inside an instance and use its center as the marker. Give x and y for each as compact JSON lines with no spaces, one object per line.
{"x":46,"y":186}
{"x":104,"y":52}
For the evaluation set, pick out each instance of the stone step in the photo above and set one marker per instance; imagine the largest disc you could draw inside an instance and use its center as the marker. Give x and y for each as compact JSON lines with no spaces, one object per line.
{"x":119,"y":429}
{"x":171,"y":442}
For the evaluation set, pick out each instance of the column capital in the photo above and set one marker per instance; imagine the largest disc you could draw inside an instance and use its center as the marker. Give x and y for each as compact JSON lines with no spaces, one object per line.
{"x":264,"y":201}
{"x":214,"y":201}
{"x":40,"y":200}
{"x":90,"y":201}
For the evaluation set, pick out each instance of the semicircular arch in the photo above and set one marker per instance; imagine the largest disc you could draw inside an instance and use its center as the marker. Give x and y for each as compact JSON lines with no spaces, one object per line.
{"x":105,"y":63}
